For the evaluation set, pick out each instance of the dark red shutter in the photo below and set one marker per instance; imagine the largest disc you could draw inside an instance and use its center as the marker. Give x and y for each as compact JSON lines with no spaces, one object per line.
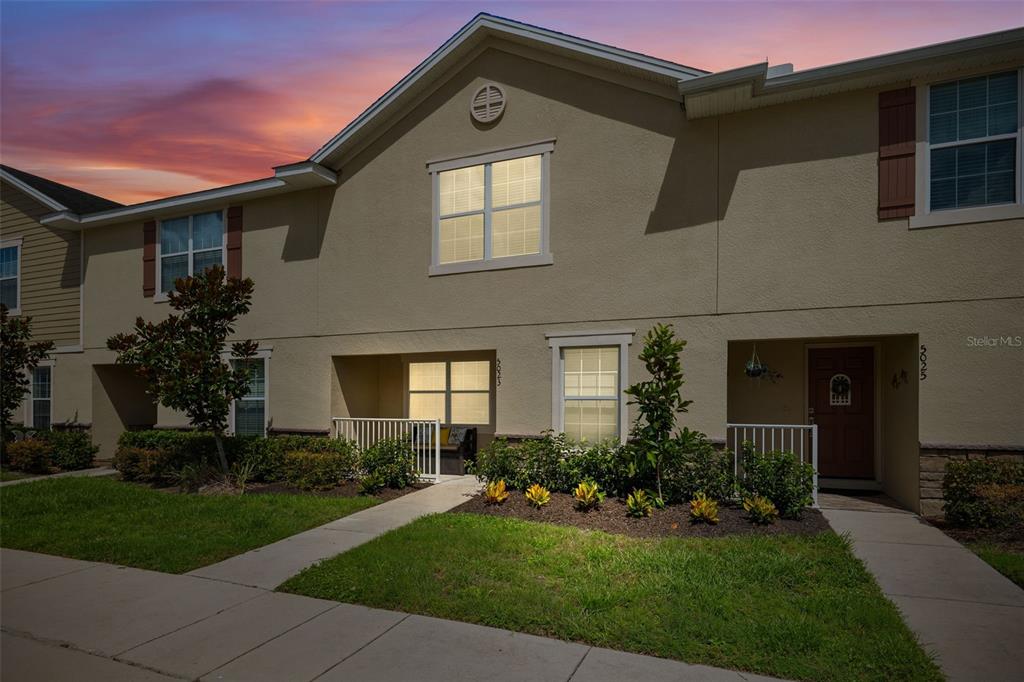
{"x":896,"y":141}
{"x":149,"y":258}
{"x":234,"y":241}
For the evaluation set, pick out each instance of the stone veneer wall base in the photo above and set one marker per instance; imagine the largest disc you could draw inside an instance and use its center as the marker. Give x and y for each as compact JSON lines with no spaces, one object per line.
{"x":933,"y":467}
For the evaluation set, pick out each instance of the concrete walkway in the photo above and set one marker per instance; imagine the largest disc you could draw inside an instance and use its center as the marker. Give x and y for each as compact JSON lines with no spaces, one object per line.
{"x":269,"y":566}
{"x":81,"y":473}
{"x":963,"y":610}
{"x":64,"y":619}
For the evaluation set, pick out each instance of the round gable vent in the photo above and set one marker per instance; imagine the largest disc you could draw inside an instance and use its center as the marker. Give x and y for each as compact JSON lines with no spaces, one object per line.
{"x":488,"y":103}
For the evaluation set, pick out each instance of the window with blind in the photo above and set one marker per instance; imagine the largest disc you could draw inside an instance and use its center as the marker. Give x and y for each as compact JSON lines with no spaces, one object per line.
{"x":249,"y":414}
{"x":453,"y":392}
{"x":590,"y":393}
{"x":42,"y":397}
{"x":974,"y":142}
{"x":490,"y":211}
{"x":10,"y":276}
{"x":188,"y":246}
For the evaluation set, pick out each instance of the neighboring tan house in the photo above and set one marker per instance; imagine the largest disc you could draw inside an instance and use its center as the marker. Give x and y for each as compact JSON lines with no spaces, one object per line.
{"x":41,"y":275}
{"x":489,"y":242}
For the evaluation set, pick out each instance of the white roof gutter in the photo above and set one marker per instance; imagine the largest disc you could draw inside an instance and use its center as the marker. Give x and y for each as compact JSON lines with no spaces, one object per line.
{"x":296,"y":176}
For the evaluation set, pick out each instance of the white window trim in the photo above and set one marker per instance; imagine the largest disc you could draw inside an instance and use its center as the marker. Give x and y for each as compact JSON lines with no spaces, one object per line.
{"x":17,"y":243}
{"x":544,"y":149}
{"x":448,"y":391}
{"x":264,"y":355}
{"x":30,"y":405}
{"x":161,"y":296}
{"x":557,"y":341}
{"x":923,"y":215}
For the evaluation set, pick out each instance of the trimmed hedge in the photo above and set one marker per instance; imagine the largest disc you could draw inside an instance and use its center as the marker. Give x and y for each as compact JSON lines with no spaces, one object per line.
{"x":779,"y":476}
{"x":40,"y":452}
{"x":72,"y":450}
{"x":390,"y":463}
{"x":32,"y":455}
{"x":318,"y":470}
{"x":984,"y":493}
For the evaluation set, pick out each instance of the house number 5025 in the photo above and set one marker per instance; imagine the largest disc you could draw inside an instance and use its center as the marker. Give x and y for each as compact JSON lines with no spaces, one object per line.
{"x":924,"y":362}
{"x":497,"y":371}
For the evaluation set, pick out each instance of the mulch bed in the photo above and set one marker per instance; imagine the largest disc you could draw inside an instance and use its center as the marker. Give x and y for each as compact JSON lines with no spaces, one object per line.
{"x":1008,"y":539}
{"x":673,"y":521}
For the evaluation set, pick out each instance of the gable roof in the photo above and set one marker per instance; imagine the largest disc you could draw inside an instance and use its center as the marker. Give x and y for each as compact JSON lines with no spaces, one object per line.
{"x":470,"y":36}
{"x":54,"y":195}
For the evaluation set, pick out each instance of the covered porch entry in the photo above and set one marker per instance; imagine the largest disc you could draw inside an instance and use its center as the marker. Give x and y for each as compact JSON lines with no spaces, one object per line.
{"x":443,"y":402}
{"x":859,"y":393}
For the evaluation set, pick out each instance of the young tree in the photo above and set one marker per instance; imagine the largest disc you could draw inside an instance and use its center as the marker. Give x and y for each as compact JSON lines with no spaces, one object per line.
{"x":181,"y":357}
{"x":19,"y":355}
{"x":658,"y":400}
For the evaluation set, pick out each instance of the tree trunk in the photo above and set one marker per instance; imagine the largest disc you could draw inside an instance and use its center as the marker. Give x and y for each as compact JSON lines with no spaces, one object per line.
{"x":220,"y":453}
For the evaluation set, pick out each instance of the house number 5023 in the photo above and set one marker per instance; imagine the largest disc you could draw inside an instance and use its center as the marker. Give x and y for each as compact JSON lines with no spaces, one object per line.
{"x":924,"y":362}
{"x":497,"y":371}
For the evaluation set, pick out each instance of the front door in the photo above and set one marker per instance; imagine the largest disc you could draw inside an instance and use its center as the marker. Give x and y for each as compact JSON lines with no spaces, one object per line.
{"x":841,"y":393}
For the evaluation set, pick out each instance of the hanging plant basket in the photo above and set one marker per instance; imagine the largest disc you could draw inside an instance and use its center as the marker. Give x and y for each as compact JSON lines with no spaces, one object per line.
{"x":755,"y":369}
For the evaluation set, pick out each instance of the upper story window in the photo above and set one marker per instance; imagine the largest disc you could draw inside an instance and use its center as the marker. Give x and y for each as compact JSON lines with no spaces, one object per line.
{"x":490,"y":210}
{"x":10,"y":276}
{"x":188,"y":246}
{"x":974,"y":142}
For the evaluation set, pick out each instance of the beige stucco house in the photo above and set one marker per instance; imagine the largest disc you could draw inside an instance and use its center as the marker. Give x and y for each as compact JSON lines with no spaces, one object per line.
{"x":488,"y":243}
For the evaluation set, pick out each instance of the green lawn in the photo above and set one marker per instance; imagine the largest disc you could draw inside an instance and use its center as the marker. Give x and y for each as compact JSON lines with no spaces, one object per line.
{"x":8,"y":475}
{"x":1010,"y":564}
{"x":105,"y":520}
{"x":794,"y":607}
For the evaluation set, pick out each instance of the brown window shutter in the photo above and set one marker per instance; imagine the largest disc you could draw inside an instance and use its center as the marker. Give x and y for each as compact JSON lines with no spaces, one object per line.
{"x":235,"y":241}
{"x":896,"y":144}
{"x":149,"y":258}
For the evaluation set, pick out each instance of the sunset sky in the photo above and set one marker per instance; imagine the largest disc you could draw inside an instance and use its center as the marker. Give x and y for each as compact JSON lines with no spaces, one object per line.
{"x":141,"y":100}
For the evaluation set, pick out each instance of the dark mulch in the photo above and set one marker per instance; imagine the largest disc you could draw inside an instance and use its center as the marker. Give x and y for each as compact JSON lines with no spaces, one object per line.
{"x":347,"y":489}
{"x":1007,"y":539}
{"x":673,"y":521}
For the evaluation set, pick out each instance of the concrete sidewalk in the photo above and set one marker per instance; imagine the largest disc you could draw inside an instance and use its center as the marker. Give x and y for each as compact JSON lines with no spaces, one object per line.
{"x":64,"y":619}
{"x":963,"y":610}
{"x":81,"y":473}
{"x":269,"y":566}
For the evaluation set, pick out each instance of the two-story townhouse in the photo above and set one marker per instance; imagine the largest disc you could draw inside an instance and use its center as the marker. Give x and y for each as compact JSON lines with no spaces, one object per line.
{"x":488,"y":243}
{"x":41,"y":277}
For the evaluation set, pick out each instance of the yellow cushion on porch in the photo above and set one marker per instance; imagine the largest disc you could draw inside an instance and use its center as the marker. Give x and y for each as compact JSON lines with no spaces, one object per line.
{"x":445,"y":430}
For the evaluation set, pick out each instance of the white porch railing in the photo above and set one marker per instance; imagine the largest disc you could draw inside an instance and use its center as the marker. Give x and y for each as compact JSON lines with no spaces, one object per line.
{"x":424,"y":436}
{"x":800,"y":439}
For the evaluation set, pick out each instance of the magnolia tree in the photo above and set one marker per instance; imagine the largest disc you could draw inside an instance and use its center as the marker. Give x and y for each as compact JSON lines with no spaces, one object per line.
{"x":658,"y":400}
{"x":182,"y":358}
{"x":19,"y":355}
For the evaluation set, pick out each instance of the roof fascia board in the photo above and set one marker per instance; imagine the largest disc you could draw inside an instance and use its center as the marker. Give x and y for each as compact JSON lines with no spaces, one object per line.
{"x":497,"y":26}
{"x":28,"y":189}
{"x":757,"y":74}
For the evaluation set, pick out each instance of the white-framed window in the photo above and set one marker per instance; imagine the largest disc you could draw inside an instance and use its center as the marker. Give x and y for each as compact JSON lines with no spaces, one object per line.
{"x":970,"y":157}
{"x":589,"y":371}
{"x":41,"y":398}
{"x":491,"y":210}
{"x":10,"y":275}
{"x":249,"y":414}
{"x":452,"y":391}
{"x":189,"y":245}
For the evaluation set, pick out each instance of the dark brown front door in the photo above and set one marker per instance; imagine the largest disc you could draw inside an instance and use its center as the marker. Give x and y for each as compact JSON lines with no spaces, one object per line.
{"x":841,"y":392}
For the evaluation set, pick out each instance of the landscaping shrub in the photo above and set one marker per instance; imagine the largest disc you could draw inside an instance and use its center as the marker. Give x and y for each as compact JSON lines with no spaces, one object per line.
{"x":370,"y":485}
{"x":587,"y":496}
{"x":316,"y":470}
{"x":639,"y":504}
{"x":703,"y":508}
{"x":392,"y":462}
{"x":538,"y":495}
{"x":984,"y":493}
{"x":32,"y":455}
{"x":556,"y":463}
{"x":72,"y":450}
{"x":692,"y":465}
{"x":760,"y":510}
{"x":140,"y":464}
{"x":495,"y":492}
{"x":779,"y":476}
